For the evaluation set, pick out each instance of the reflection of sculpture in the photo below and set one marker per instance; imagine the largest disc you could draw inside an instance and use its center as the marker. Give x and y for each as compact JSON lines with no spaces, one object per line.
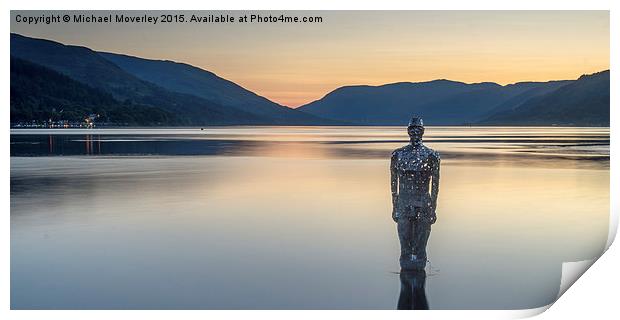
{"x":412,"y":291}
{"x":413,"y":167}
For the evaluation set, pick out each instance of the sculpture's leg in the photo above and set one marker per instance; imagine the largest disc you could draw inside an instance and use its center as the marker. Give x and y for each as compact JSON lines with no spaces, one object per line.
{"x":405,"y":235}
{"x":422,"y":231}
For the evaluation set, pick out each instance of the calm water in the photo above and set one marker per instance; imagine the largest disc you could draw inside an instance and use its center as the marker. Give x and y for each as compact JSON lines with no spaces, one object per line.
{"x":295,"y":217}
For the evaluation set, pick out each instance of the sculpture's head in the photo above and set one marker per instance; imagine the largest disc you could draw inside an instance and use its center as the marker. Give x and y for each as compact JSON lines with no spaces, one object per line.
{"x":415,"y":129}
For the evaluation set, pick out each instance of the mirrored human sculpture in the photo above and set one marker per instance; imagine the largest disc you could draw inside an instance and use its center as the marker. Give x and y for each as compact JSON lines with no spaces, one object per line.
{"x":415,"y":187}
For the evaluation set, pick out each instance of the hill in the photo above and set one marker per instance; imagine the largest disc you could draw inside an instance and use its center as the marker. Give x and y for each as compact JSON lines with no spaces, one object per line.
{"x":584,"y":102}
{"x":187,"y":79}
{"x":91,"y":68}
{"x":181,"y":94}
{"x":440,"y":102}
{"x":41,"y":94}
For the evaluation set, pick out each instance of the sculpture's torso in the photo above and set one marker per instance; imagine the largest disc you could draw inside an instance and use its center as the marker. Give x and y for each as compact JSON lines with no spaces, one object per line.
{"x":414,"y":165}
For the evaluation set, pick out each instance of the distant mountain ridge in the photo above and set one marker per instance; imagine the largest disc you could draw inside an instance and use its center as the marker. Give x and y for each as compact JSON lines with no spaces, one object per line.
{"x":187,"y":79}
{"x":93,"y":69}
{"x":582,"y":102}
{"x":42,"y":94}
{"x":182,"y":94}
{"x":439,"y":102}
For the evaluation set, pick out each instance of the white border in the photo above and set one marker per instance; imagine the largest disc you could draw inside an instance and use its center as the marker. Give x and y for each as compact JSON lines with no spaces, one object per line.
{"x":594,"y":294}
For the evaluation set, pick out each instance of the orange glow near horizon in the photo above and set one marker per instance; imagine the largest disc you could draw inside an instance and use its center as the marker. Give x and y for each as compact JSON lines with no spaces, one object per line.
{"x":294,"y":64}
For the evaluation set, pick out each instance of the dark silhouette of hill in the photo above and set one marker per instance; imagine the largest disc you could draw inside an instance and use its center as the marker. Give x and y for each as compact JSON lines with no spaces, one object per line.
{"x":91,"y":68}
{"x":181,"y":94}
{"x":386,"y":104}
{"x":440,"y":102}
{"x":468,"y":107}
{"x":40,"y":94}
{"x":187,"y":79}
{"x":584,"y":102}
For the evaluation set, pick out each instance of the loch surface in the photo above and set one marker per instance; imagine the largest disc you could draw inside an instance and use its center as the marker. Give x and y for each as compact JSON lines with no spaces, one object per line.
{"x":296,"y":217}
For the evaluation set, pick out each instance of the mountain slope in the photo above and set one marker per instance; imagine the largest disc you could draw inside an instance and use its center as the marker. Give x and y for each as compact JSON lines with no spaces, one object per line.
{"x":440,"y":102}
{"x":468,"y":107}
{"x":88,"y":67}
{"x":39,"y":93}
{"x":184,"y":78}
{"x":386,"y":104}
{"x":582,"y":102}
{"x":529,"y":90}
{"x":199,"y":97}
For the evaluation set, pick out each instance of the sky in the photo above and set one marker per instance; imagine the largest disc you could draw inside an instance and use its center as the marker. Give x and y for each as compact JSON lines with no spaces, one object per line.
{"x":297,"y":63}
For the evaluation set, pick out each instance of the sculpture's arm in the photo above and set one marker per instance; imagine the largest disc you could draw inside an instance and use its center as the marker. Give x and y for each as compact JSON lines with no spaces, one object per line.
{"x":394,"y":183}
{"x":435,"y":182}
